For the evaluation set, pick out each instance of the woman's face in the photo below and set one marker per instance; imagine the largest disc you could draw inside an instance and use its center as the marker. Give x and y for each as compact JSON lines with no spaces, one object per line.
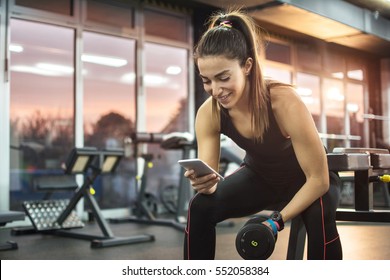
{"x":224,"y":79}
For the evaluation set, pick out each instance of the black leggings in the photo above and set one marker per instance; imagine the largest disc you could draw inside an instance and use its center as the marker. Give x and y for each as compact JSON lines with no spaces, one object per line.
{"x":245,"y":193}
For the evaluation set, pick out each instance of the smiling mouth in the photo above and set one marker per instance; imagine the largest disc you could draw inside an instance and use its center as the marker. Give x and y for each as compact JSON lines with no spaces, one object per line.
{"x":223,"y":98}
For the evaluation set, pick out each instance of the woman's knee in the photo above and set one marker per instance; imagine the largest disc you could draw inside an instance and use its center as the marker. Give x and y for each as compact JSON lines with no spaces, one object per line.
{"x":201,"y":206}
{"x":321,"y":212}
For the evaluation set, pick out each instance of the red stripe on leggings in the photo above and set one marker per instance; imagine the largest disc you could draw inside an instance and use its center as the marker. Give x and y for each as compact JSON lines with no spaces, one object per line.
{"x":323,"y":226}
{"x":323,"y":229}
{"x":187,"y":230}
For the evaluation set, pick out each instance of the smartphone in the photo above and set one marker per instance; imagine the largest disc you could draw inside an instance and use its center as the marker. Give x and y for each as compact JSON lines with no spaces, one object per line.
{"x":200,"y":167}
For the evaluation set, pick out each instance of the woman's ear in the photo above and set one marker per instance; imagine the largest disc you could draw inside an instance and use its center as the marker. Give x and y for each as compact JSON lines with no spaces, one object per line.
{"x":248,"y":66}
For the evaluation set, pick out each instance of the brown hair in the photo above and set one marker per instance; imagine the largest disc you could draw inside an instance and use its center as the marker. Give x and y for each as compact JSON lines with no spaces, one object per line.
{"x":235,"y":35}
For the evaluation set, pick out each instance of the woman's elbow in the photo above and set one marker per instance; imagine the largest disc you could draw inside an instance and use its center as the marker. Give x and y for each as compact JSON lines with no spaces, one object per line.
{"x":320,"y":183}
{"x":324,"y":185}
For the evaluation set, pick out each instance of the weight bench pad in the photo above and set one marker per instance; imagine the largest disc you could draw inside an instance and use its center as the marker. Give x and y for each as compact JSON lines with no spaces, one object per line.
{"x":10,"y":216}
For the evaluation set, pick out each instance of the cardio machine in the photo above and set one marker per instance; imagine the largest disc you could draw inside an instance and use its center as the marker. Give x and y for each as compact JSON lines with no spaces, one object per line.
{"x":142,"y":211}
{"x":180,"y":194}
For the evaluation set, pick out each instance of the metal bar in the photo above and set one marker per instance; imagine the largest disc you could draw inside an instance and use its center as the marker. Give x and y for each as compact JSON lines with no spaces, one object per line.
{"x":363,"y":191}
{"x":378,"y":216}
{"x":340,"y":136}
{"x":297,"y":239}
{"x":375,"y":117}
{"x":103,"y":225}
{"x":76,"y":198}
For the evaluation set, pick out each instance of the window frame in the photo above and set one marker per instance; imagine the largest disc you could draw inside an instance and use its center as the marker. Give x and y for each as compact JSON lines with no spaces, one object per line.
{"x":44,"y":16}
{"x":79,"y":24}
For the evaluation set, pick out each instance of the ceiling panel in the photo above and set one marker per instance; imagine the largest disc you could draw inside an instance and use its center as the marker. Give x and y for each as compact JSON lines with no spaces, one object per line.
{"x":366,"y":42}
{"x":380,"y":6}
{"x":286,"y":18}
{"x":239,"y":3}
{"x":305,"y":22}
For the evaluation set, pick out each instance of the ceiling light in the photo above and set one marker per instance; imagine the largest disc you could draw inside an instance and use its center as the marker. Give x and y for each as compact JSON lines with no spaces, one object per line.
{"x":338,"y":75}
{"x":356,"y":74}
{"x":155,"y":80}
{"x":304,"y":91}
{"x":44,"y":69}
{"x":308,"y":100}
{"x":173,"y":70}
{"x":104,"y":60}
{"x":55,"y":68}
{"x":16,"y":48}
{"x":33,"y":70}
{"x":334,"y":94}
{"x":352,"y":107}
{"x":128,"y":78}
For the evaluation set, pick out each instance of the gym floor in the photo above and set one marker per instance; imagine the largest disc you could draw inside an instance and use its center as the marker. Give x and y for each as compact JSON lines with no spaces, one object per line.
{"x":361,"y":241}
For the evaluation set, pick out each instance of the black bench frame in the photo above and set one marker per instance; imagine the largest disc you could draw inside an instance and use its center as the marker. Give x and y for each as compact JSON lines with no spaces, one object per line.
{"x":8,"y":217}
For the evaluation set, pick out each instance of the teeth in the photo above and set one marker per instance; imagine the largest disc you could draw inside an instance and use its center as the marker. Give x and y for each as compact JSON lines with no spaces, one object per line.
{"x":224,"y":97}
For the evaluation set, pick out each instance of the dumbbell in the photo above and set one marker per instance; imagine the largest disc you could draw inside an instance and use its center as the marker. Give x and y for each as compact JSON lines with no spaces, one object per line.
{"x":255,"y":241}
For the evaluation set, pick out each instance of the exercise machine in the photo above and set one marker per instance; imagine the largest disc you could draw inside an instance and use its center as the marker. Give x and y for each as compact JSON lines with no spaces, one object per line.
{"x":143,"y":213}
{"x":180,"y":195}
{"x":49,"y":185}
{"x":59,"y":217}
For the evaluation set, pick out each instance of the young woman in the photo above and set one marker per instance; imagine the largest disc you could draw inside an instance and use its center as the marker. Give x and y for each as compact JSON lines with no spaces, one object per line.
{"x":285,"y":167}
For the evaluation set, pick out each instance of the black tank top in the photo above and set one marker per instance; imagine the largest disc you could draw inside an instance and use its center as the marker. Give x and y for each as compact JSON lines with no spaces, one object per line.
{"x":274,"y":157}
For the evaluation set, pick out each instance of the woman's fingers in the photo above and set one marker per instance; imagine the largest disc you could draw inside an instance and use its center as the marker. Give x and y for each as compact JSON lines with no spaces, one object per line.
{"x":205,"y":184}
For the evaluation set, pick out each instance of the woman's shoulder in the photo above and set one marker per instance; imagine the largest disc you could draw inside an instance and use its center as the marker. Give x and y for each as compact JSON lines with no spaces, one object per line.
{"x":206,"y":107}
{"x":282,"y":94}
{"x":277,"y":88}
{"x":205,"y":111}
{"x":207,"y":102}
{"x":278,"y":85}
{"x":206,"y":119}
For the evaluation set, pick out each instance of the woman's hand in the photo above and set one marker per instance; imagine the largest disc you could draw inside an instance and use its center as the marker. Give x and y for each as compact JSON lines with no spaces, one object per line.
{"x":206,"y":184}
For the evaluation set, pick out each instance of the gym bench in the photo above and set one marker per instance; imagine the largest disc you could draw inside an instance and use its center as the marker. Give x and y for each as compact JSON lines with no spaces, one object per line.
{"x":48,"y":185}
{"x":57,"y":217}
{"x":366,"y":164}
